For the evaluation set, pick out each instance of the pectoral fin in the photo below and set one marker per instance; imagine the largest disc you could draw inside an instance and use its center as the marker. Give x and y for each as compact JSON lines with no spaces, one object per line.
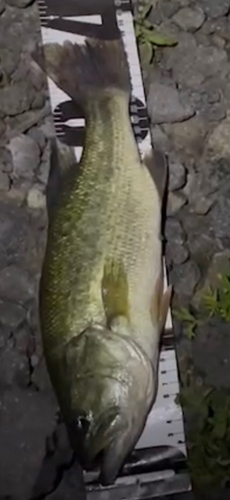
{"x":114,"y":288}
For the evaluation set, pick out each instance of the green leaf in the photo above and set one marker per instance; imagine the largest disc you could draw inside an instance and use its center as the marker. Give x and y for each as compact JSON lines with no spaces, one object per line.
{"x":159,"y":39}
{"x":144,"y":12}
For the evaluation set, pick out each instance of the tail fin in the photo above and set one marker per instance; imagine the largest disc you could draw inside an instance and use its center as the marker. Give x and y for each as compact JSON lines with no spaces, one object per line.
{"x":85,"y":70}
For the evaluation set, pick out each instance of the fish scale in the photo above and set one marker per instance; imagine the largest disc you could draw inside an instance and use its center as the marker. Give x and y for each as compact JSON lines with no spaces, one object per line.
{"x":158,"y":432}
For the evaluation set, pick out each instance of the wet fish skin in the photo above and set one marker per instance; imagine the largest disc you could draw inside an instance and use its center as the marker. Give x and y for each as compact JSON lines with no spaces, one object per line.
{"x":101,"y":284}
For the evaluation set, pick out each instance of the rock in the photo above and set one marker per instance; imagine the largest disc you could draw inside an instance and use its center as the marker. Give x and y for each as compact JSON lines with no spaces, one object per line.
{"x":15,"y":99}
{"x":44,"y":167}
{"x":6,"y":164}
{"x":219,"y":265}
{"x":163,"y":10}
{"x":202,"y":204}
{"x":40,"y":377}
{"x":177,"y":175}
{"x":211,"y":349}
{"x":37,"y":135}
{"x":15,"y":284}
{"x":27,"y":419}
{"x":20,"y":3}
{"x":219,"y":27}
{"x":48,"y":127}
{"x":192,"y":64}
{"x":26,"y":156}
{"x":72,"y":481}
{"x":188,"y":137}
{"x":185,"y":278}
{"x":59,"y":457}
{"x":160,"y":139}
{"x":2,"y":6}
{"x":215,"y":112}
{"x":23,"y":123}
{"x":10,"y":57}
{"x":215,"y":9}
{"x":4,"y":181}
{"x":189,"y":19}
{"x":11,"y":314}
{"x":14,"y":369}
{"x":218,"y":41}
{"x":201,"y":242}
{"x":38,"y":101}
{"x":35,"y":198}
{"x":218,"y":145}
{"x":175,"y":203}
{"x":176,"y":249}
{"x":219,"y":217}
{"x":164,"y":105}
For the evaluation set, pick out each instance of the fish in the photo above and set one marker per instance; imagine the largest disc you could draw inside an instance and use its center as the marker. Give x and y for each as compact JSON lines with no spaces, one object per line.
{"x":101,"y":299}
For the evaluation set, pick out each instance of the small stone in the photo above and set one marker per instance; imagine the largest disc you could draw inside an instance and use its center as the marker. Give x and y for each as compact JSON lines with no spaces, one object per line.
{"x":202,"y":205}
{"x":44,"y":167}
{"x":39,"y":101}
{"x":188,"y":137}
{"x":192,"y":64}
{"x":4,"y":182}
{"x":175,"y":203}
{"x":164,"y":105}
{"x":163,"y":10}
{"x":176,"y":248}
{"x":189,"y":19}
{"x":218,"y":41}
{"x":26,"y":156}
{"x":214,"y":8}
{"x":218,"y":145}
{"x":37,"y":135}
{"x":27,"y":419}
{"x":48,"y":127}
{"x":177,"y":175}
{"x":14,"y":368}
{"x":6,"y":164}
{"x":15,"y":284}
{"x":15,"y":99}
{"x":185,"y":278}
{"x":21,"y":4}
{"x":2,"y":6}
{"x":219,"y":265}
{"x":71,"y":482}
{"x":40,"y":376}
{"x":11,"y":314}
{"x":216,"y":112}
{"x":160,"y":139}
{"x":36,"y":199}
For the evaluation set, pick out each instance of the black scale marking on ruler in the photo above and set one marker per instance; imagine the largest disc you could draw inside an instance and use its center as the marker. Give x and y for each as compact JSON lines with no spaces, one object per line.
{"x":63,"y":17}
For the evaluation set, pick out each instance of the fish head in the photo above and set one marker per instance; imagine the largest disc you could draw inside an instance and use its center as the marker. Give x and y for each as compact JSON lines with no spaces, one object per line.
{"x":110,"y":392}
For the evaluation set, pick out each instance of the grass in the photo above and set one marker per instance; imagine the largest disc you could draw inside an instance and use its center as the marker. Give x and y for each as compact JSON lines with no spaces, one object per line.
{"x":215,"y":302}
{"x":208,"y":434}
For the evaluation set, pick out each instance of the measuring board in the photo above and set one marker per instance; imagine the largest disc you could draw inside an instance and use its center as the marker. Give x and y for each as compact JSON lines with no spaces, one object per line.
{"x":162,"y":441}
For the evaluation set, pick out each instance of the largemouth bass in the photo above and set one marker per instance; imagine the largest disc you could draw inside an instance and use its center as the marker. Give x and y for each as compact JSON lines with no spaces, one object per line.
{"x":102,"y":306}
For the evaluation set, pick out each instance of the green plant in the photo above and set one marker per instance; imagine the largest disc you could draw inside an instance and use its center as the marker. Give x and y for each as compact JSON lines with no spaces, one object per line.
{"x":147,"y":36}
{"x":191,"y":323}
{"x":217,"y":301}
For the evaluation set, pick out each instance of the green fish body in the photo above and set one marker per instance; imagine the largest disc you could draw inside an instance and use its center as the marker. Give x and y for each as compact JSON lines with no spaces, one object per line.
{"x":101,"y":284}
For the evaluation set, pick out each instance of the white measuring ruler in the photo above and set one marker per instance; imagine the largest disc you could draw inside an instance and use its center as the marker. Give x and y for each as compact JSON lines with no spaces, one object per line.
{"x":74,"y":20}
